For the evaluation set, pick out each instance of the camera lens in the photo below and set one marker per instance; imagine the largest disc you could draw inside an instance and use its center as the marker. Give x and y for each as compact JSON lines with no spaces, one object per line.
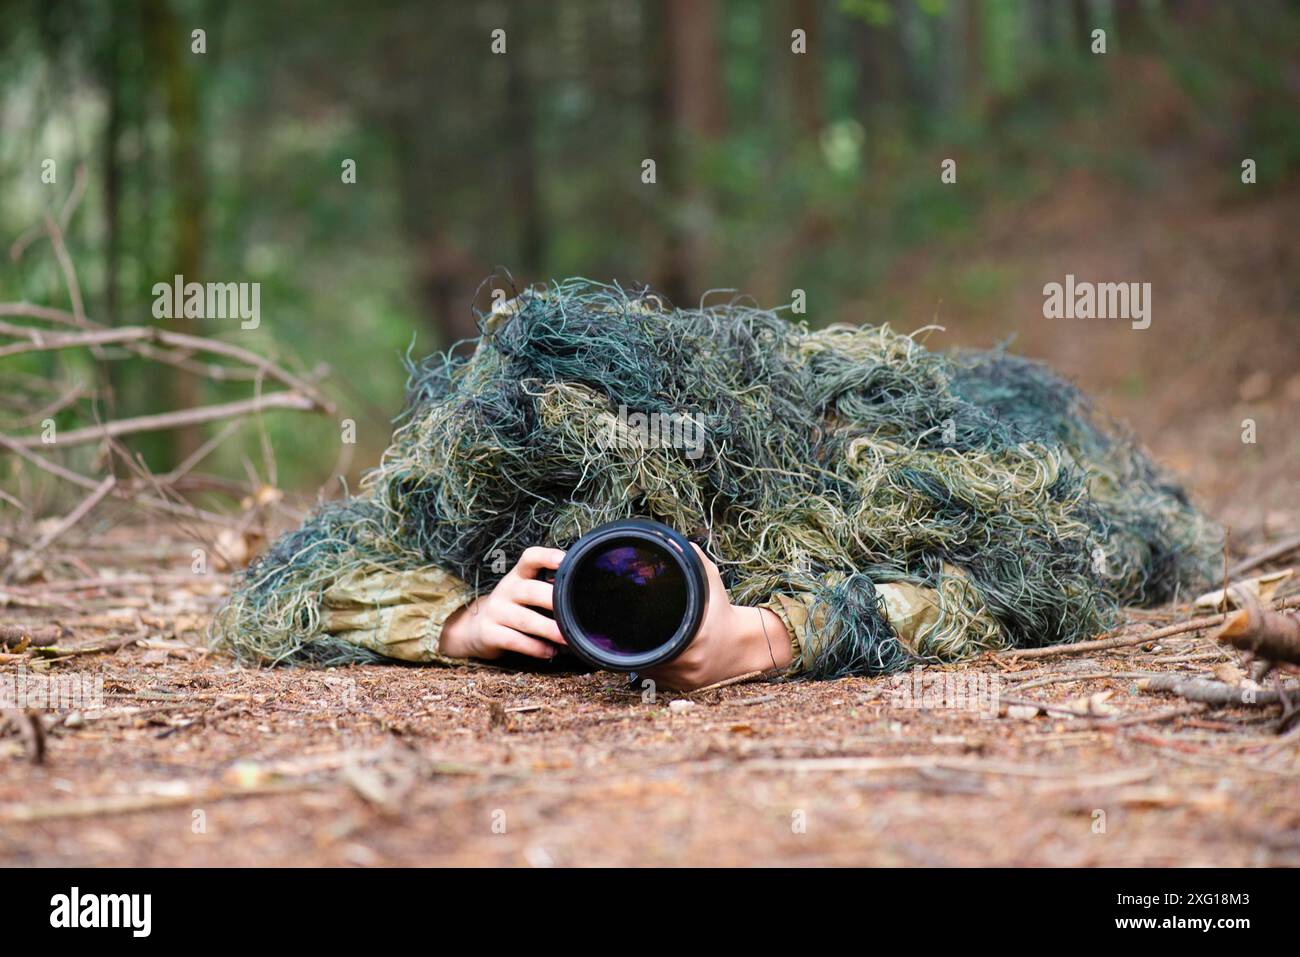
{"x":629,"y":597}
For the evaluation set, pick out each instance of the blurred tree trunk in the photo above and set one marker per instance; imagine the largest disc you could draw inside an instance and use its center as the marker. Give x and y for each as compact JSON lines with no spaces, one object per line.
{"x":660,"y":148}
{"x":806,"y":69}
{"x":949,"y":68}
{"x":112,"y":172}
{"x":1132,"y":22}
{"x":919,"y":82}
{"x":169,"y":41}
{"x":695,"y":67}
{"x":972,"y":15}
{"x":521,"y":134}
{"x":441,"y":266}
{"x":688,"y":112}
{"x":111,"y":71}
{"x":879,"y":72}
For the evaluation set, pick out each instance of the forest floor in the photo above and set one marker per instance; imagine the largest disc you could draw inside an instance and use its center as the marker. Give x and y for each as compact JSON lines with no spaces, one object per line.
{"x":192,"y":760}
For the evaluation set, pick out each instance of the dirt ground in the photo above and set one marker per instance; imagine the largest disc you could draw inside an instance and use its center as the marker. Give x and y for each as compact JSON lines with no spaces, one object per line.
{"x":192,"y":760}
{"x":189,"y":759}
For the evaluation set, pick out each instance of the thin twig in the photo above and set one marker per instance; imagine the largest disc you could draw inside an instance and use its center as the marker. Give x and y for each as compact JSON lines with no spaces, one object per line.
{"x":727,"y":682}
{"x":39,"y":340}
{"x":76,"y":478}
{"x":77,"y":514}
{"x":1124,"y":641}
{"x":172,"y":420}
{"x":1278,"y":550}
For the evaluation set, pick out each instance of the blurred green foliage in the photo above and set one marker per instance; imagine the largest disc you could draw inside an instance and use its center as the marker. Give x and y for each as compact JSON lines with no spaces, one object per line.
{"x":775,"y":171}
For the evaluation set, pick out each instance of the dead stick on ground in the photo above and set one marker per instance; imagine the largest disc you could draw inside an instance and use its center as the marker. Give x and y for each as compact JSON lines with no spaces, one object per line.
{"x":116,"y":644}
{"x":1045,"y":706}
{"x":1154,"y":717}
{"x":1065,"y":678}
{"x":117,"y":583}
{"x":1211,"y":692}
{"x":1279,"y":550}
{"x":1124,"y":641}
{"x":927,"y":762}
{"x":39,"y":634}
{"x":133,"y":803}
{"x":727,"y":682}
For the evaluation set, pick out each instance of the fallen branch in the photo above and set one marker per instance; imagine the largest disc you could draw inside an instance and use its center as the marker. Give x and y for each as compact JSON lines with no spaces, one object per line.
{"x":115,"y":583}
{"x":22,"y":636}
{"x":1212,"y":692}
{"x":171,"y":420}
{"x":54,"y":651}
{"x":923,"y":762}
{"x":76,"y":478}
{"x":1065,"y":678}
{"x":94,"y":335}
{"x":1267,"y":634}
{"x":1278,"y":550}
{"x":1154,"y":717}
{"x":1125,"y":641}
{"x":1045,"y":707}
{"x":133,"y":803}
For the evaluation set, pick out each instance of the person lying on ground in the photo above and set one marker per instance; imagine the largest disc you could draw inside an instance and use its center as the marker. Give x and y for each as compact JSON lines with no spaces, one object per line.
{"x":863,"y":503}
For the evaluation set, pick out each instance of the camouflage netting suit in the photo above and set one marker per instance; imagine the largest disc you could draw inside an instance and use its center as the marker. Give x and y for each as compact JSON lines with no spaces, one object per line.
{"x":889,"y":503}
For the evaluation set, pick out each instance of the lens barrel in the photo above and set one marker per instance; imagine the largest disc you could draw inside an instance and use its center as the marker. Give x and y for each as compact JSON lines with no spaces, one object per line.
{"x":630,"y":595}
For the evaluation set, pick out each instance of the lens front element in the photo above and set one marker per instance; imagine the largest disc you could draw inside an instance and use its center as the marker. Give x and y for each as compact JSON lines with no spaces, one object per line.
{"x":629,"y":597}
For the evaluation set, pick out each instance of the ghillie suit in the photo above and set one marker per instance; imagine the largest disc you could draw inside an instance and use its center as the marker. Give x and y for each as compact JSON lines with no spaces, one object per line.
{"x":891,"y":504}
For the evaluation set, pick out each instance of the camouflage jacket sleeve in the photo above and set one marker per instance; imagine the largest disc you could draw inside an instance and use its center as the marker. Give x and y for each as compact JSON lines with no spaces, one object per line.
{"x":398,"y":614}
{"x":913,"y":611}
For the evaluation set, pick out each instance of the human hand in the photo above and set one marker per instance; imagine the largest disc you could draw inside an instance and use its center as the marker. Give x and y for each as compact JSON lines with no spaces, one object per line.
{"x":507,"y":619}
{"x":732,"y":640}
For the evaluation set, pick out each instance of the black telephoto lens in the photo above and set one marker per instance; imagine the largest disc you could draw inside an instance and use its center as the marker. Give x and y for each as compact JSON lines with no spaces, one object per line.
{"x":630,"y":595}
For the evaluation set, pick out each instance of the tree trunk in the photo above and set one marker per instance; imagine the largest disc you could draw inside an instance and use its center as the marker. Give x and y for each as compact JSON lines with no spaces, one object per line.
{"x":695,"y":67}
{"x":112,"y":177}
{"x":879,"y":72}
{"x":170,"y":42}
{"x":695,"y":117}
{"x":523,"y":160}
{"x":805,"y":86}
{"x":443,"y":270}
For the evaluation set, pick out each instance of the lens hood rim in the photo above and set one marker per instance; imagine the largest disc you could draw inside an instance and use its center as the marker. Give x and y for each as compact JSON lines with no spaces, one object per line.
{"x":651,"y":532}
